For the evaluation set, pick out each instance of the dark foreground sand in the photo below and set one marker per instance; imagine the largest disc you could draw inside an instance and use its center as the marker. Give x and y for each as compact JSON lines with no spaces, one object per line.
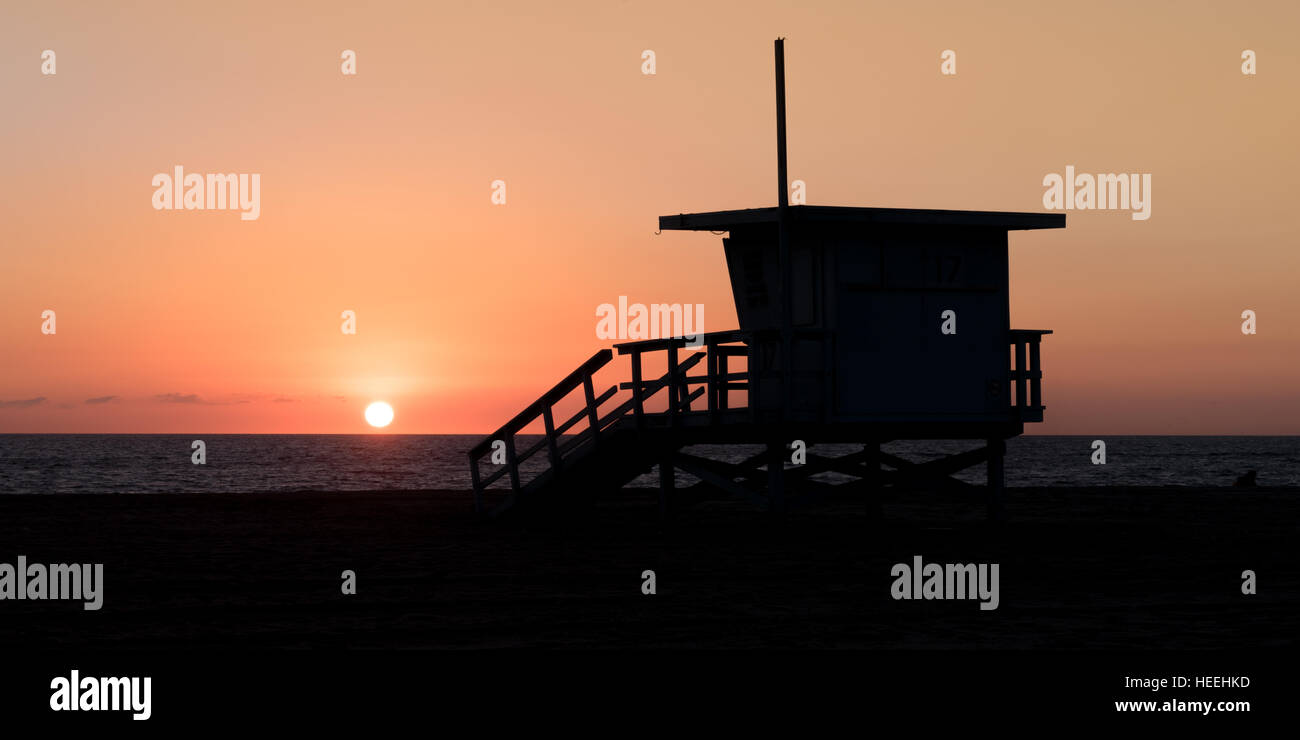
{"x":1080,"y":569}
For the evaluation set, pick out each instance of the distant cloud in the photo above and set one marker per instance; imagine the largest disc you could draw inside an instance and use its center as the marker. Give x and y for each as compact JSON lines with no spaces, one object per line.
{"x":178,"y":398}
{"x":195,"y":398}
{"x":22,"y":404}
{"x":101,"y":399}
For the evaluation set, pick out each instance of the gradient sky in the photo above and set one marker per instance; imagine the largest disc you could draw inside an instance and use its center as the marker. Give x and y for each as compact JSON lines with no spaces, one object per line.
{"x":376,"y":195}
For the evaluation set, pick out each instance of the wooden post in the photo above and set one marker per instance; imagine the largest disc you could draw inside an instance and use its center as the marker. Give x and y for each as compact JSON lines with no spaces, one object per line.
{"x":638,"y":407}
{"x":672,"y":384}
{"x":997,"y":449}
{"x":712,"y":393}
{"x":751,"y":382}
{"x":552,"y":449}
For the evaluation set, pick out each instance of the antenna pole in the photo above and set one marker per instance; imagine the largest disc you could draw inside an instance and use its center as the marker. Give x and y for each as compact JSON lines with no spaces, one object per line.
{"x":783,"y":194}
{"x":777,"y":496}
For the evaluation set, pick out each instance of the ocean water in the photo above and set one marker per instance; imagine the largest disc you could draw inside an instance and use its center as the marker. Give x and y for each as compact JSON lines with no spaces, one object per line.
{"x":160,"y":463}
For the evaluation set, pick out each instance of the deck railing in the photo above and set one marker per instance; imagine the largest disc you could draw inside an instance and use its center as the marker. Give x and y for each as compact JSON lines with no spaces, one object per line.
{"x":718,"y":379}
{"x":1027,"y":377}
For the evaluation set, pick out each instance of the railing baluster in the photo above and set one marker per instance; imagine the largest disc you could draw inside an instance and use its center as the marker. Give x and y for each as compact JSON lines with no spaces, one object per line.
{"x":593,"y":414}
{"x":751,"y":369}
{"x":1022,"y":399}
{"x":724,"y":390}
{"x":673,"y":390}
{"x":1036,"y":373}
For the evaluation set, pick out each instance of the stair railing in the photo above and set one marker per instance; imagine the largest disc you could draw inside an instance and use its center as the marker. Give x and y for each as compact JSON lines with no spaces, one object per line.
{"x":718,"y":381}
{"x":543,"y":407}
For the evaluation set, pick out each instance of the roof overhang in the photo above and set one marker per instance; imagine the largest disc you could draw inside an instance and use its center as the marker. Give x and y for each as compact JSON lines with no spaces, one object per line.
{"x":726,"y":220}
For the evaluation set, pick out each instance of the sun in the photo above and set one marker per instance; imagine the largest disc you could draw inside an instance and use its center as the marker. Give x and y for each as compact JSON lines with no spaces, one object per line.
{"x":379,"y":414}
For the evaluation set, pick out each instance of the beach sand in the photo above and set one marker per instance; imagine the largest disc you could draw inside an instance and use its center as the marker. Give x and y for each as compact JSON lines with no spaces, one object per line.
{"x":1079,"y":569}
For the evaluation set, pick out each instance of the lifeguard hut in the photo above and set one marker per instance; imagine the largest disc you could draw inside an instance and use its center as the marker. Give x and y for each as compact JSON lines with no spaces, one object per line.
{"x":857,"y":325}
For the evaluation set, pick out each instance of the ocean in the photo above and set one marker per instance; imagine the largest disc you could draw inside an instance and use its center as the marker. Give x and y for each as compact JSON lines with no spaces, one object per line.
{"x":161,"y":463}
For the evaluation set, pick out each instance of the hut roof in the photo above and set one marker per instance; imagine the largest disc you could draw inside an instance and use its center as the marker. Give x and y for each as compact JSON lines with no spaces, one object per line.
{"x":725,"y":220}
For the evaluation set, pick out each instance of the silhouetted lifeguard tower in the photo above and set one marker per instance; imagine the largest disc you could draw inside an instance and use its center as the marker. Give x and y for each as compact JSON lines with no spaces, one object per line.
{"x":857,"y":325}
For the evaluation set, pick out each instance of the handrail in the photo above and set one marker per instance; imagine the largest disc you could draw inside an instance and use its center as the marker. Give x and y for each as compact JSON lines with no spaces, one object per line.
{"x":548,"y":399}
{"x":693,"y":341}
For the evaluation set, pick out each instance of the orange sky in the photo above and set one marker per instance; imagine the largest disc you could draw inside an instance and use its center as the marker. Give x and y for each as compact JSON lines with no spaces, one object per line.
{"x":375,"y":195}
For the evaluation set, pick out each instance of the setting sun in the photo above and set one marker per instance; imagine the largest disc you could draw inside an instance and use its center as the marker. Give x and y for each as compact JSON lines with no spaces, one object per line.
{"x":379,"y":414}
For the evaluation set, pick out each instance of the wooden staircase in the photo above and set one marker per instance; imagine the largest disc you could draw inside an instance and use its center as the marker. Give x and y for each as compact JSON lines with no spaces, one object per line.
{"x":616,"y":438}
